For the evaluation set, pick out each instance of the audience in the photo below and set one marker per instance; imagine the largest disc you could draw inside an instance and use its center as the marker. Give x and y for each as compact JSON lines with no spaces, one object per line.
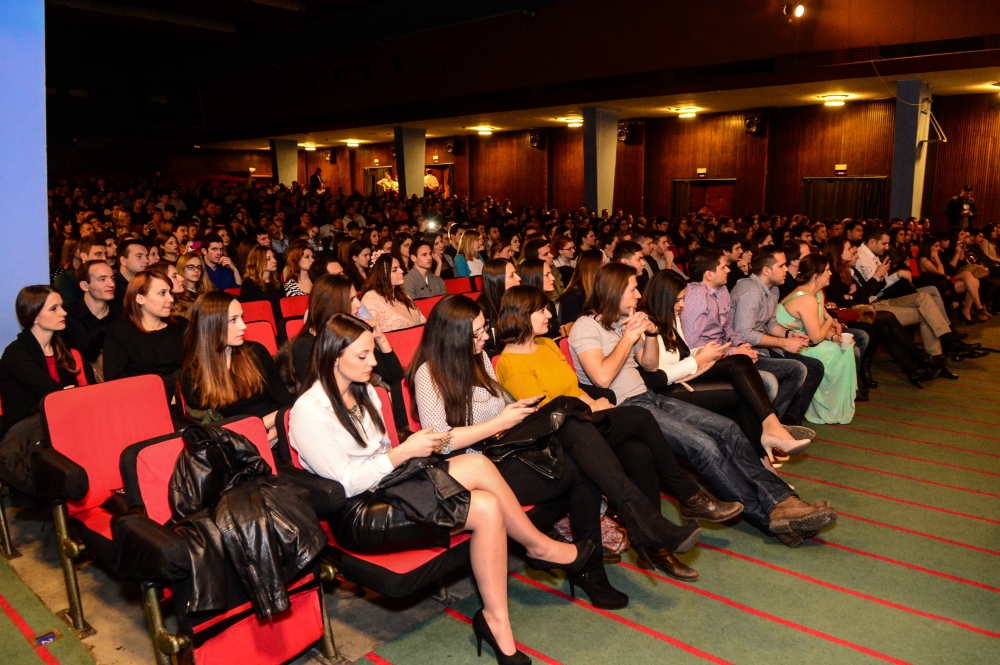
{"x":420,"y":281}
{"x":385,"y":298}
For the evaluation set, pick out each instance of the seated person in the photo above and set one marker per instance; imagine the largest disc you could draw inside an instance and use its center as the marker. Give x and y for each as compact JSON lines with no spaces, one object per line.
{"x":219,"y":267}
{"x":132,"y":259}
{"x":572,"y":299}
{"x":148,"y":340}
{"x":385,"y":298}
{"x":610,"y":341}
{"x":804,"y":311}
{"x":223,"y":375}
{"x":630,"y":253}
{"x":420,"y":281}
{"x":88,"y":320}
{"x":66,"y":283}
{"x":538,"y":273}
{"x":260,"y":282}
{"x":337,"y":429}
{"x":468,"y":262}
{"x":532,"y":364}
{"x":300,"y":260}
{"x":498,"y":276}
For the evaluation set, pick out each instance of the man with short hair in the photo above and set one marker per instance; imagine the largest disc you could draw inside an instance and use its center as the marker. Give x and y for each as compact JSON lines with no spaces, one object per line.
{"x":961,"y":209}
{"x":421,"y":282}
{"x":180,"y":230}
{"x":431,"y":183}
{"x":263,"y":238}
{"x":755,"y":302}
{"x":66,"y":283}
{"x":854,"y":231}
{"x":630,"y":253}
{"x":133,"y":257}
{"x":732,"y":249}
{"x":793,"y":250}
{"x":220,"y":268}
{"x":88,"y":319}
{"x":647,"y":241}
{"x":836,"y":229}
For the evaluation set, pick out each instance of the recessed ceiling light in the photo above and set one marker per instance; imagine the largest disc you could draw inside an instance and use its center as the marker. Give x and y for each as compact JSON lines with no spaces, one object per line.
{"x":794,"y":10}
{"x":687,"y":114}
{"x":484,"y":130}
{"x":685,"y":111}
{"x":575,"y":124}
{"x":834,"y":100}
{"x":352,"y":144}
{"x":570,"y":119}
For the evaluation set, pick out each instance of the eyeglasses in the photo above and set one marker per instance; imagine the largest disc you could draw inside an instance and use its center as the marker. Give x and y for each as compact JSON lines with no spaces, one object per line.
{"x":193,"y":268}
{"x":476,"y":334}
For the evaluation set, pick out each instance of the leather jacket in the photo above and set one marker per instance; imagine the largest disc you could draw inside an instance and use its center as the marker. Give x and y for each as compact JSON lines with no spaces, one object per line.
{"x":232,"y":511}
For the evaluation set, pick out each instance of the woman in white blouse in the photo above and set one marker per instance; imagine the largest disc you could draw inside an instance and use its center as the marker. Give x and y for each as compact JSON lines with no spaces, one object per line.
{"x":386,"y":299}
{"x":337,"y":430}
{"x":663,"y":302}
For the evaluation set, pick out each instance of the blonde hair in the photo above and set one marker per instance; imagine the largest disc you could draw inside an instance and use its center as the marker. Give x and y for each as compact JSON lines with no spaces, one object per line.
{"x":467,"y":245}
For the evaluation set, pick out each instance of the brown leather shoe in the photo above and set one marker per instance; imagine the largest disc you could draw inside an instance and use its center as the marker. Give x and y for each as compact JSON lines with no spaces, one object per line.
{"x":703,"y":506}
{"x":659,"y":557}
{"x":793,"y":514}
{"x":795,"y":538}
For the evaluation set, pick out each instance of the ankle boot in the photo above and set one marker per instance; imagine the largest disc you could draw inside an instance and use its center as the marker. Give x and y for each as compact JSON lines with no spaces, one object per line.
{"x":703,"y":506}
{"x":866,"y":369}
{"x":647,"y":528}
{"x":594,"y":581}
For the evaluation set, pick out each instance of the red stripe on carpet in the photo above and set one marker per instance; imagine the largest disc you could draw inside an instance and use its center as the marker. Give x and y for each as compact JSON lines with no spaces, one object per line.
{"x":924,"y":413}
{"x":897,"y":562}
{"x":956,"y":406}
{"x":22,"y":625}
{"x":528,"y":650}
{"x":851,"y":592}
{"x":904,"y":438}
{"x":377,"y":659}
{"x":898,"y":475}
{"x":918,"y":533}
{"x":892,"y":498}
{"x":622,"y":620}
{"x":909,"y":457}
{"x":769,"y":617}
{"x":937,"y":429}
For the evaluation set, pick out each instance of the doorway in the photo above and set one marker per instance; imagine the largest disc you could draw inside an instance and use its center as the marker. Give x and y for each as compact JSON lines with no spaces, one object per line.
{"x":445,"y":175}
{"x":857,"y":197}
{"x":714,"y":197}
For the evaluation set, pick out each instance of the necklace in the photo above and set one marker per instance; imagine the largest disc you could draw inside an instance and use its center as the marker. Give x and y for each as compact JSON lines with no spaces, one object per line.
{"x":356,"y":412}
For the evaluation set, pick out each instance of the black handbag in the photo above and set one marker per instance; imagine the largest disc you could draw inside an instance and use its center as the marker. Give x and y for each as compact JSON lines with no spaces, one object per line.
{"x":535,"y":440}
{"x":422,"y":488}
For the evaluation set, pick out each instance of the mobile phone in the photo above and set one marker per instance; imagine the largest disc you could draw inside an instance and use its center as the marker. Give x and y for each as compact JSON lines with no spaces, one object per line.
{"x":194,"y":245}
{"x":536,"y":402}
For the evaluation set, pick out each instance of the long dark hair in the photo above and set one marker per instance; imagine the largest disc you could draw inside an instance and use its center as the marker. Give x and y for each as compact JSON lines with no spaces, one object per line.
{"x":810,"y":266}
{"x":606,"y":294}
{"x":588,"y":263}
{"x":332,"y":340}
{"x":28,"y":305}
{"x":834,"y":252}
{"x":532,"y":273}
{"x":494,"y":284}
{"x":519,"y":303}
{"x":380,"y":281}
{"x":658,"y":302}
{"x":448,"y":349}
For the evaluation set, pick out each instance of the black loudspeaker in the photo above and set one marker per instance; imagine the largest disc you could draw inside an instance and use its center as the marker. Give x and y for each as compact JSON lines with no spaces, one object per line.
{"x":630,"y":133}
{"x":755,"y":124}
{"x":536,"y":139}
{"x":455,"y":147}
{"x":392,"y":151}
{"x":331,"y":156}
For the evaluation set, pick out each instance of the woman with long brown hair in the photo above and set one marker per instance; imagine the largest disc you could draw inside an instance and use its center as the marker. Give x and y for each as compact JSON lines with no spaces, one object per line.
{"x":385,"y":298}
{"x":223,"y":375}
{"x":572,"y":299}
{"x":260,"y":281}
{"x":498,"y":276}
{"x":337,"y":429}
{"x":300,"y":260}
{"x":148,"y":339}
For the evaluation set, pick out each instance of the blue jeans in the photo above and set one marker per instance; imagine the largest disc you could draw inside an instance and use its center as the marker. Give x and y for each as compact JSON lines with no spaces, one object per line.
{"x":788,"y":375}
{"x":720,"y":452}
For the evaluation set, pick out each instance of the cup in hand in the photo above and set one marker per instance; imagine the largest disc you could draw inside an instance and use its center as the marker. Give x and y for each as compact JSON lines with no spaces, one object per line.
{"x":846,"y":339}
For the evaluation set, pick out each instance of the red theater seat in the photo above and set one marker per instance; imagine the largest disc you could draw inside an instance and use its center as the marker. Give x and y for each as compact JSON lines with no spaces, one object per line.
{"x":259,"y":310}
{"x":405,"y":342}
{"x":294,"y":306}
{"x":260,"y":332}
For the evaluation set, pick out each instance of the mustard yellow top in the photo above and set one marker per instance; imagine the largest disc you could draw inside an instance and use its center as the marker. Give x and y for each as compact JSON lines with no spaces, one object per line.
{"x":543,"y":372}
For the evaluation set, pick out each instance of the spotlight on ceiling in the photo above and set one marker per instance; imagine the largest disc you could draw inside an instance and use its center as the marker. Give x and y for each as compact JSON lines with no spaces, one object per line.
{"x":483,"y":130}
{"x":352,"y":144}
{"x":310,"y":148}
{"x":834,"y":100}
{"x":794,"y":10}
{"x":685,"y":111}
{"x":687,"y":114}
{"x":575,"y":124}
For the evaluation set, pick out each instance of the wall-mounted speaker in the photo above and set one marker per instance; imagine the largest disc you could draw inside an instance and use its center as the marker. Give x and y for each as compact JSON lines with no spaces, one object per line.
{"x":392,"y":151}
{"x":630,"y":133}
{"x":755,"y":124}
{"x":455,"y":147}
{"x":330,"y":156}
{"x":536,"y":139}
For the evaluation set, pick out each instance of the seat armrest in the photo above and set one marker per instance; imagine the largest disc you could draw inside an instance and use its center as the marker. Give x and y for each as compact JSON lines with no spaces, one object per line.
{"x":57,"y":477}
{"x":149,"y":551}
{"x":326,"y":496}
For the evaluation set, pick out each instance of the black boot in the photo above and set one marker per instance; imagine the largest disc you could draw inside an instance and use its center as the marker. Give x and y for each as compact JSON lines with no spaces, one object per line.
{"x":594,"y":581}
{"x":647,"y":528}
{"x":918,"y":378}
{"x":865,"y":379}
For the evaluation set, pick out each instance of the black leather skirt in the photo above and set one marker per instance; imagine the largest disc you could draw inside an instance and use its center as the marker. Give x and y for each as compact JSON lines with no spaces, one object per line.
{"x":369,"y":525}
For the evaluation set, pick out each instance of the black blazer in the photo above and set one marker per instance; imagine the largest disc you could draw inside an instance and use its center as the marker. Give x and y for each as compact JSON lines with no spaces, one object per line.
{"x":129,"y":351}
{"x":25,"y":379}
{"x":272,"y":396}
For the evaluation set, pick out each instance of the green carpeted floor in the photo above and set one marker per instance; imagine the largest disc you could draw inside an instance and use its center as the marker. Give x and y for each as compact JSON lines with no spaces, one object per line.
{"x":23,"y":617}
{"x":910,"y":574}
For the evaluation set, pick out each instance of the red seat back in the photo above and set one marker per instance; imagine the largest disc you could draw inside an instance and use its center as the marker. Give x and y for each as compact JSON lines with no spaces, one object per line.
{"x":233,"y":292}
{"x":458,"y":285}
{"x":914,"y":267}
{"x":405,"y":342}
{"x":293,"y":327}
{"x":81,"y":377}
{"x":259,"y":310}
{"x":92,"y":425}
{"x":478,"y":281}
{"x":473,"y":295}
{"x":294,"y":306}
{"x":564,"y":347}
{"x":408,"y":403}
{"x":387,"y":418}
{"x":425,"y":305}
{"x":260,"y":332}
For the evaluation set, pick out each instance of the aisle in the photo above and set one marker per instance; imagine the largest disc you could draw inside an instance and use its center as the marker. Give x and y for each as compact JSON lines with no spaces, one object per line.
{"x":910,"y":574}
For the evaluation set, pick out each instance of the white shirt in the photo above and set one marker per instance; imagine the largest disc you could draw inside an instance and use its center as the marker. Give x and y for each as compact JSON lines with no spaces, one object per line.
{"x":670,"y":361}
{"x":430,"y":182}
{"x":327,"y":449}
{"x":868,"y":263}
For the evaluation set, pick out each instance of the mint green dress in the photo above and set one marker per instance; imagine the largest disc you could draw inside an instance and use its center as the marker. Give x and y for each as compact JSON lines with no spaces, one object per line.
{"x":833,"y":402}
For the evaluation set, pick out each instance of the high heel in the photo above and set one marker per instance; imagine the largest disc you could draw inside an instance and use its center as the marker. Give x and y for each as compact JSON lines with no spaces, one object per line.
{"x":482,"y":630}
{"x":791,"y":447}
{"x":594,"y":581}
{"x":584,"y":549}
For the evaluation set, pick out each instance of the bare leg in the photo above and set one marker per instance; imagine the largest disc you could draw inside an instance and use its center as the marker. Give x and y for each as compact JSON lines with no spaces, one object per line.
{"x":475,"y":472}
{"x":488,"y":548}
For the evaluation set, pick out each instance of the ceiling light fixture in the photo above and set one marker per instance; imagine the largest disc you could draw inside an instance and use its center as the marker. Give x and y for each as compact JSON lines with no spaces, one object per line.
{"x":483,"y":130}
{"x":794,"y":10}
{"x":352,"y":144}
{"x":687,"y":114}
{"x":575,"y":124}
{"x":834,"y":100}
{"x":310,"y":148}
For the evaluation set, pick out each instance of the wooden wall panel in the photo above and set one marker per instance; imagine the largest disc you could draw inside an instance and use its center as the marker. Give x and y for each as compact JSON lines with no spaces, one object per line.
{"x":970,"y":157}
{"x":807,"y":141}
{"x":676,"y":148}
{"x":565,"y":148}
{"x":437,"y":146}
{"x":136,"y":160}
{"x":504,"y":166}
{"x":630,"y":177}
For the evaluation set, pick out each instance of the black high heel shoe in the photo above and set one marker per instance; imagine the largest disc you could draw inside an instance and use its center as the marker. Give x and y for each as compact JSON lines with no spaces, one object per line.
{"x":583,"y":551}
{"x":598,"y":588}
{"x":482,"y":630}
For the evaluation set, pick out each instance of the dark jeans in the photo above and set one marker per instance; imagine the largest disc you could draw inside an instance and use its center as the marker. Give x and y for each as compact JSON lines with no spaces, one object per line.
{"x":720,"y":452}
{"x":580,"y":497}
{"x":798,"y":379}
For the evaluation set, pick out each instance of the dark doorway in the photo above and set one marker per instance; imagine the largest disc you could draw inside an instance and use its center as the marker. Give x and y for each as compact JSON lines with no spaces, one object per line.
{"x":372,"y":175}
{"x":861,"y":197}
{"x":445,"y":174}
{"x":706,"y":196}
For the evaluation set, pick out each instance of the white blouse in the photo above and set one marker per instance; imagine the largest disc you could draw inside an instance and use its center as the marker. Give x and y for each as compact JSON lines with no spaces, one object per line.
{"x":327,"y":449}
{"x":670,"y":361}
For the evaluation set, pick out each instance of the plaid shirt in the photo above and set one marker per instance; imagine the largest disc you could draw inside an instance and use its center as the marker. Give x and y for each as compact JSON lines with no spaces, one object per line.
{"x":706,"y":317}
{"x":754,"y":307}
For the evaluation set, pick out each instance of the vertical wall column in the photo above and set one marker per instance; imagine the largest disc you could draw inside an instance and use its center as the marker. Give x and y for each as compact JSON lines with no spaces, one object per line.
{"x":23,"y":172}
{"x":411,"y":153}
{"x":909,"y":151}
{"x":285,"y":162}
{"x":600,"y":146}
